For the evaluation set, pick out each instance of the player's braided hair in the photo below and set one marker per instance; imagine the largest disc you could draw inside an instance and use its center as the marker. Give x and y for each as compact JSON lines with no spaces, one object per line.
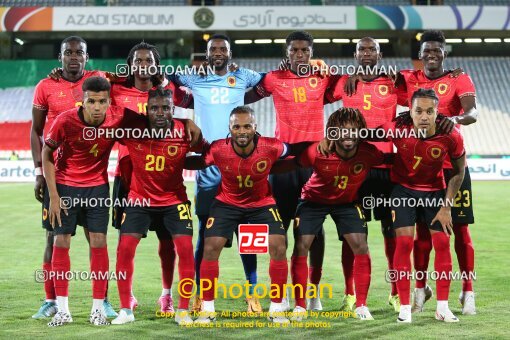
{"x":130,"y":81}
{"x":432,"y":36}
{"x":160,"y":91}
{"x":299,"y":35}
{"x":344,"y":116}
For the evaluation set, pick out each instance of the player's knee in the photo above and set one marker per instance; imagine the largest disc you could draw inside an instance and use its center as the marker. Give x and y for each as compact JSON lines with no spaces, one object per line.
{"x":360,"y":248}
{"x":97,"y":240}
{"x":278,"y":251}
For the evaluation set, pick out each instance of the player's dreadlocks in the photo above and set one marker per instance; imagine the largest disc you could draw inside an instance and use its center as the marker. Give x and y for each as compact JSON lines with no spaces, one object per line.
{"x":130,"y":81}
{"x":299,"y":35}
{"x":344,"y":116}
{"x":432,"y":36}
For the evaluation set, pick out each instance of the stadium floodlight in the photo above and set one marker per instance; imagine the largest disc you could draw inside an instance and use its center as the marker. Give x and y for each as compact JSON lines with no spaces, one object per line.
{"x":355,"y":40}
{"x":19,"y":41}
{"x":243,"y":41}
{"x":321,"y":41}
{"x":263,"y":41}
{"x":279,"y":41}
{"x":341,"y":41}
{"x":473,"y":40}
{"x":383,"y":41}
{"x":492,"y":40}
{"x":453,"y":41}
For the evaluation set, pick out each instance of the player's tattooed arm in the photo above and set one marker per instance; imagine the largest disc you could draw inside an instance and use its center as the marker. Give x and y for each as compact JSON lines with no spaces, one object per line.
{"x":444,"y":215}
{"x":284,"y":165}
{"x":195,"y":163}
{"x":49,"y":170}
{"x":36,"y":143}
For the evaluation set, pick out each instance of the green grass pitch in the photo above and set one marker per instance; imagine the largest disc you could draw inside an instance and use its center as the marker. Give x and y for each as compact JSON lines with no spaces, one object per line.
{"x":20,"y":296}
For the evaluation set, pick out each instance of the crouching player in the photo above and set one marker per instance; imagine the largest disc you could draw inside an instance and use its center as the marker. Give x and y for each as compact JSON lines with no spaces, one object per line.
{"x":333,"y":189}
{"x":80,"y":173}
{"x":157,"y":180}
{"x":417,"y":170}
{"x":244,"y":161}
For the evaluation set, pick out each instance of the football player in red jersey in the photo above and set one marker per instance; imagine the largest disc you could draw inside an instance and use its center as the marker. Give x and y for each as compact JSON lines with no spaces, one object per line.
{"x":133,"y":94}
{"x":333,"y":189}
{"x":298,"y":97}
{"x":457,"y":102}
{"x":157,"y":177}
{"x":376,"y":98}
{"x":244,"y":161}
{"x":418,"y":172}
{"x":51,"y":97}
{"x":79,"y":172}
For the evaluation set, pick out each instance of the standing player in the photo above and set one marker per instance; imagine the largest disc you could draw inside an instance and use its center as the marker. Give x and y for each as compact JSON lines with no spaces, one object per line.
{"x":418,"y":170}
{"x":215,"y":95}
{"x":457,"y":101}
{"x":244,"y":161}
{"x":51,"y":97}
{"x":133,"y":94}
{"x":298,"y":98}
{"x":376,"y":98}
{"x":333,"y":189}
{"x":157,"y":176}
{"x":80,"y":172}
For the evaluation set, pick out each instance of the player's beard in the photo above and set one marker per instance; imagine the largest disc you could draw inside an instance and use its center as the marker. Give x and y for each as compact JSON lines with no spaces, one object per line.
{"x":221,"y":67}
{"x":246,"y":141}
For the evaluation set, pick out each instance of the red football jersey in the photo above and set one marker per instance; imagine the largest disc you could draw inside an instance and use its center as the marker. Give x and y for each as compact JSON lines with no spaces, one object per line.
{"x":299,"y":105}
{"x":83,"y":162}
{"x":336,"y":180}
{"x":244,"y":181}
{"x":136,"y":100}
{"x":376,"y":100}
{"x":158,"y":165}
{"x":418,"y":163}
{"x":57,"y":96}
{"x":449,"y":90}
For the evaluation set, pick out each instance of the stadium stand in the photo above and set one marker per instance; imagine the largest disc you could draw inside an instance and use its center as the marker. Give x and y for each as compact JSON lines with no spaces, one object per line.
{"x":487,"y":137}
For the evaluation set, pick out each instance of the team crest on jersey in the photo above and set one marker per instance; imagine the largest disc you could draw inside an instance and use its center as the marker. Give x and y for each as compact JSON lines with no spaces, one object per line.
{"x":383,"y":90}
{"x":313,"y":82}
{"x":210,"y":222}
{"x":231,"y":80}
{"x":45,"y":214}
{"x":435,"y":152}
{"x":172,"y":150}
{"x":261,"y":166}
{"x":78,"y":104}
{"x":358,"y":168}
{"x":442,"y":88}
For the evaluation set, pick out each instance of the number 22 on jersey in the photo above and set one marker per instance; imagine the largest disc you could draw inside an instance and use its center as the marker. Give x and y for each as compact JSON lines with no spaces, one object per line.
{"x":219,"y":95}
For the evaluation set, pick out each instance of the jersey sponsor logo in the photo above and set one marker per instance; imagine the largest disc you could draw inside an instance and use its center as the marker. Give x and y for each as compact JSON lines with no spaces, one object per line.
{"x":61,"y":94}
{"x":210,"y":222}
{"x":231,"y":81}
{"x":358,"y":168}
{"x":172,"y":150}
{"x":139,"y":147}
{"x":262,"y":166}
{"x":126,"y":100}
{"x":435,"y":152}
{"x":313,"y":82}
{"x":253,"y":238}
{"x":383,"y":90}
{"x":442,"y":88}
{"x":284,"y":85}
